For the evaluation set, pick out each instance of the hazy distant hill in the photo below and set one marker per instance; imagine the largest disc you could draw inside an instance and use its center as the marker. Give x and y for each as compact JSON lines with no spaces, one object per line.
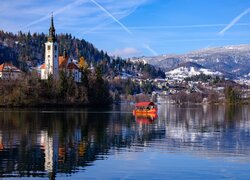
{"x":233,"y":60}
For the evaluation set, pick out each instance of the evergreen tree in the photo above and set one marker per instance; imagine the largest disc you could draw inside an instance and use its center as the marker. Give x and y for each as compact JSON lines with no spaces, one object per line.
{"x":99,"y":91}
{"x":63,"y":85}
{"x":85,"y":77}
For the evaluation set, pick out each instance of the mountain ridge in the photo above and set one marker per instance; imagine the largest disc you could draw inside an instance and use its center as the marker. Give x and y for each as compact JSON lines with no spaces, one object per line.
{"x":231,"y":59}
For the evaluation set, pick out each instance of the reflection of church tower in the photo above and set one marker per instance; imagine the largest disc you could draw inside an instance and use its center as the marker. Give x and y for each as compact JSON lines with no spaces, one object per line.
{"x":51,"y":55}
{"x":50,"y":146}
{"x":1,"y":141}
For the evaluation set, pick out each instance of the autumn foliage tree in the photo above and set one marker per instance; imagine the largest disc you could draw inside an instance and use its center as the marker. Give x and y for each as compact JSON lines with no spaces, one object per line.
{"x":82,"y":63}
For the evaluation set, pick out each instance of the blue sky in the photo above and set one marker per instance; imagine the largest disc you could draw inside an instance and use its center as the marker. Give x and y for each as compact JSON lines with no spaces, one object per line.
{"x":136,"y":27}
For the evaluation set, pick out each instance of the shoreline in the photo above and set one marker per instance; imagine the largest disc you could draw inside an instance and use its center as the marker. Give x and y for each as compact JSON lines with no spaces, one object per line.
{"x":55,"y":105}
{"x":76,"y":105}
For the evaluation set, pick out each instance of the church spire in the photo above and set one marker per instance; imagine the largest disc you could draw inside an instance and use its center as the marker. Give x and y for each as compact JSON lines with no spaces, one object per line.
{"x":52,"y":35}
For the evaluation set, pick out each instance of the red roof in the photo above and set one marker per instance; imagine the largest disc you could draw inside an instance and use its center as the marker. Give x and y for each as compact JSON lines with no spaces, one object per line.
{"x":1,"y":67}
{"x":72,"y":66}
{"x":9,"y":67}
{"x":63,"y":62}
{"x":143,"y":104}
{"x":42,"y":66}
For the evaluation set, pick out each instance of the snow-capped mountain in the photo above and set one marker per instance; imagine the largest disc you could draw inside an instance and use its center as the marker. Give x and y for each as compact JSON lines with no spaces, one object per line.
{"x":189,"y":69}
{"x":229,"y":60}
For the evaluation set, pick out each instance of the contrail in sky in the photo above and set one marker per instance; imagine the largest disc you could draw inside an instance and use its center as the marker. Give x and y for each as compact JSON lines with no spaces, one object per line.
{"x":180,"y":26}
{"x":105,"y":23}
{"x":61,"y":10}
{"x":114,"y":18}
{"x":123,"y":26}
{"x":234,"y":21}
{"x":150,"y":49}
{"x":77,"y":3}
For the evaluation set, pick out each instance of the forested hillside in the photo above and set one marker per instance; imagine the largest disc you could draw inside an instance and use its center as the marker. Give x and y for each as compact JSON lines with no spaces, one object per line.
{"x":27,"y":50}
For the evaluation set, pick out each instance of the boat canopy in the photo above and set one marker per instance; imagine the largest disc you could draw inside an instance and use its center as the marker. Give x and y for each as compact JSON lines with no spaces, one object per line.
{"x":145,"y":104}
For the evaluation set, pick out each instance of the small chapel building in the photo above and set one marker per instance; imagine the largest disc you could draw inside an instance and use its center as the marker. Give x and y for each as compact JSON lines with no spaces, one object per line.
{"x":54,"y":63}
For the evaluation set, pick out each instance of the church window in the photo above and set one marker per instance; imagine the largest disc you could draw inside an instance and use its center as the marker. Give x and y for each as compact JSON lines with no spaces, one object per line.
{"x":55,"y":47}
{"x":49,"y":47}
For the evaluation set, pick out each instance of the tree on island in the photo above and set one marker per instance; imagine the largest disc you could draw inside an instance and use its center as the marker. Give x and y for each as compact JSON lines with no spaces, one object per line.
{"x":31,"y":91}
{"x":99,"y":91}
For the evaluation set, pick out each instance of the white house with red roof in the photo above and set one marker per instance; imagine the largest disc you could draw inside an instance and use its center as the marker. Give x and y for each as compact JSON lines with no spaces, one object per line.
{"x":10,"y":72}
{"x":67,"y":65}
{"x":54,"y":63}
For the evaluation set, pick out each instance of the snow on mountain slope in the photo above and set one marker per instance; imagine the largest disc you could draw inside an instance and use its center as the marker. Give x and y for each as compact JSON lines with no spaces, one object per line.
{"x":233,"y":60}
{"x":190,"y":69}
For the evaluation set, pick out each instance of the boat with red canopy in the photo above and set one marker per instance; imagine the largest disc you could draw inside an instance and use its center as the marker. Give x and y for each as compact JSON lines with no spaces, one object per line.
{"x":145,"y":108}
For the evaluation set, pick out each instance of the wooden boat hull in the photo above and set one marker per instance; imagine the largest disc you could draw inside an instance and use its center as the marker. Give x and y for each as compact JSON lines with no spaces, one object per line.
{"x":144,"y":111}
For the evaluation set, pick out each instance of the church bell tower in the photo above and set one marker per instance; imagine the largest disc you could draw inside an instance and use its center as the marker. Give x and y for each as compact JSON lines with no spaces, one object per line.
{"x":51,"y":54}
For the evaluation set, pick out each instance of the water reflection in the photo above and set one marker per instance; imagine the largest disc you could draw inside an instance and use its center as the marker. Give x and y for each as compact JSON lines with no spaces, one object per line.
{"x":145,"y":118}
{"x":44,"y":143}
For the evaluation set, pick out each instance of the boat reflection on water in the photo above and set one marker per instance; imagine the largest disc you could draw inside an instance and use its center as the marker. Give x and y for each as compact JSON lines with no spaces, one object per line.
{"x":145,"y":118}
{"x":145,"y":108}
{"x":145,"y":112}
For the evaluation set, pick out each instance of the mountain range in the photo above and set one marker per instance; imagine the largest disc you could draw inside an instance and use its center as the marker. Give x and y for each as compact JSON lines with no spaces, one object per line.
{"x":232,"y":61}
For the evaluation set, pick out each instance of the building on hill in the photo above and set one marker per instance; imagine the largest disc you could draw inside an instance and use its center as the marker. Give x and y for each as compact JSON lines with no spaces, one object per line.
{"x":54,"y":63}
{"x":10,"y":72}
{"x":67,"y":65}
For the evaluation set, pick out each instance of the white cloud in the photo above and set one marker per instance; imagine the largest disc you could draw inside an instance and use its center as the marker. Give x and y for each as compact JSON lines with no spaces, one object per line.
{"x":126,"y":52}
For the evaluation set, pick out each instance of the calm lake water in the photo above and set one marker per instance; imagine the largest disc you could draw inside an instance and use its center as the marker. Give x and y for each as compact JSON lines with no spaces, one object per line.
{"x":195,"y":142}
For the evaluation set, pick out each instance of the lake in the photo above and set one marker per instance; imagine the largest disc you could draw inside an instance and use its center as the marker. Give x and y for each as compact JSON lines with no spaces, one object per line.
{"x":194,"y":142}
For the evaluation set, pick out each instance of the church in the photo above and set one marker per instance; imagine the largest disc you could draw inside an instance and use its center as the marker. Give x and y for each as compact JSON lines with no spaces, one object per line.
{"x":54,"y":63}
